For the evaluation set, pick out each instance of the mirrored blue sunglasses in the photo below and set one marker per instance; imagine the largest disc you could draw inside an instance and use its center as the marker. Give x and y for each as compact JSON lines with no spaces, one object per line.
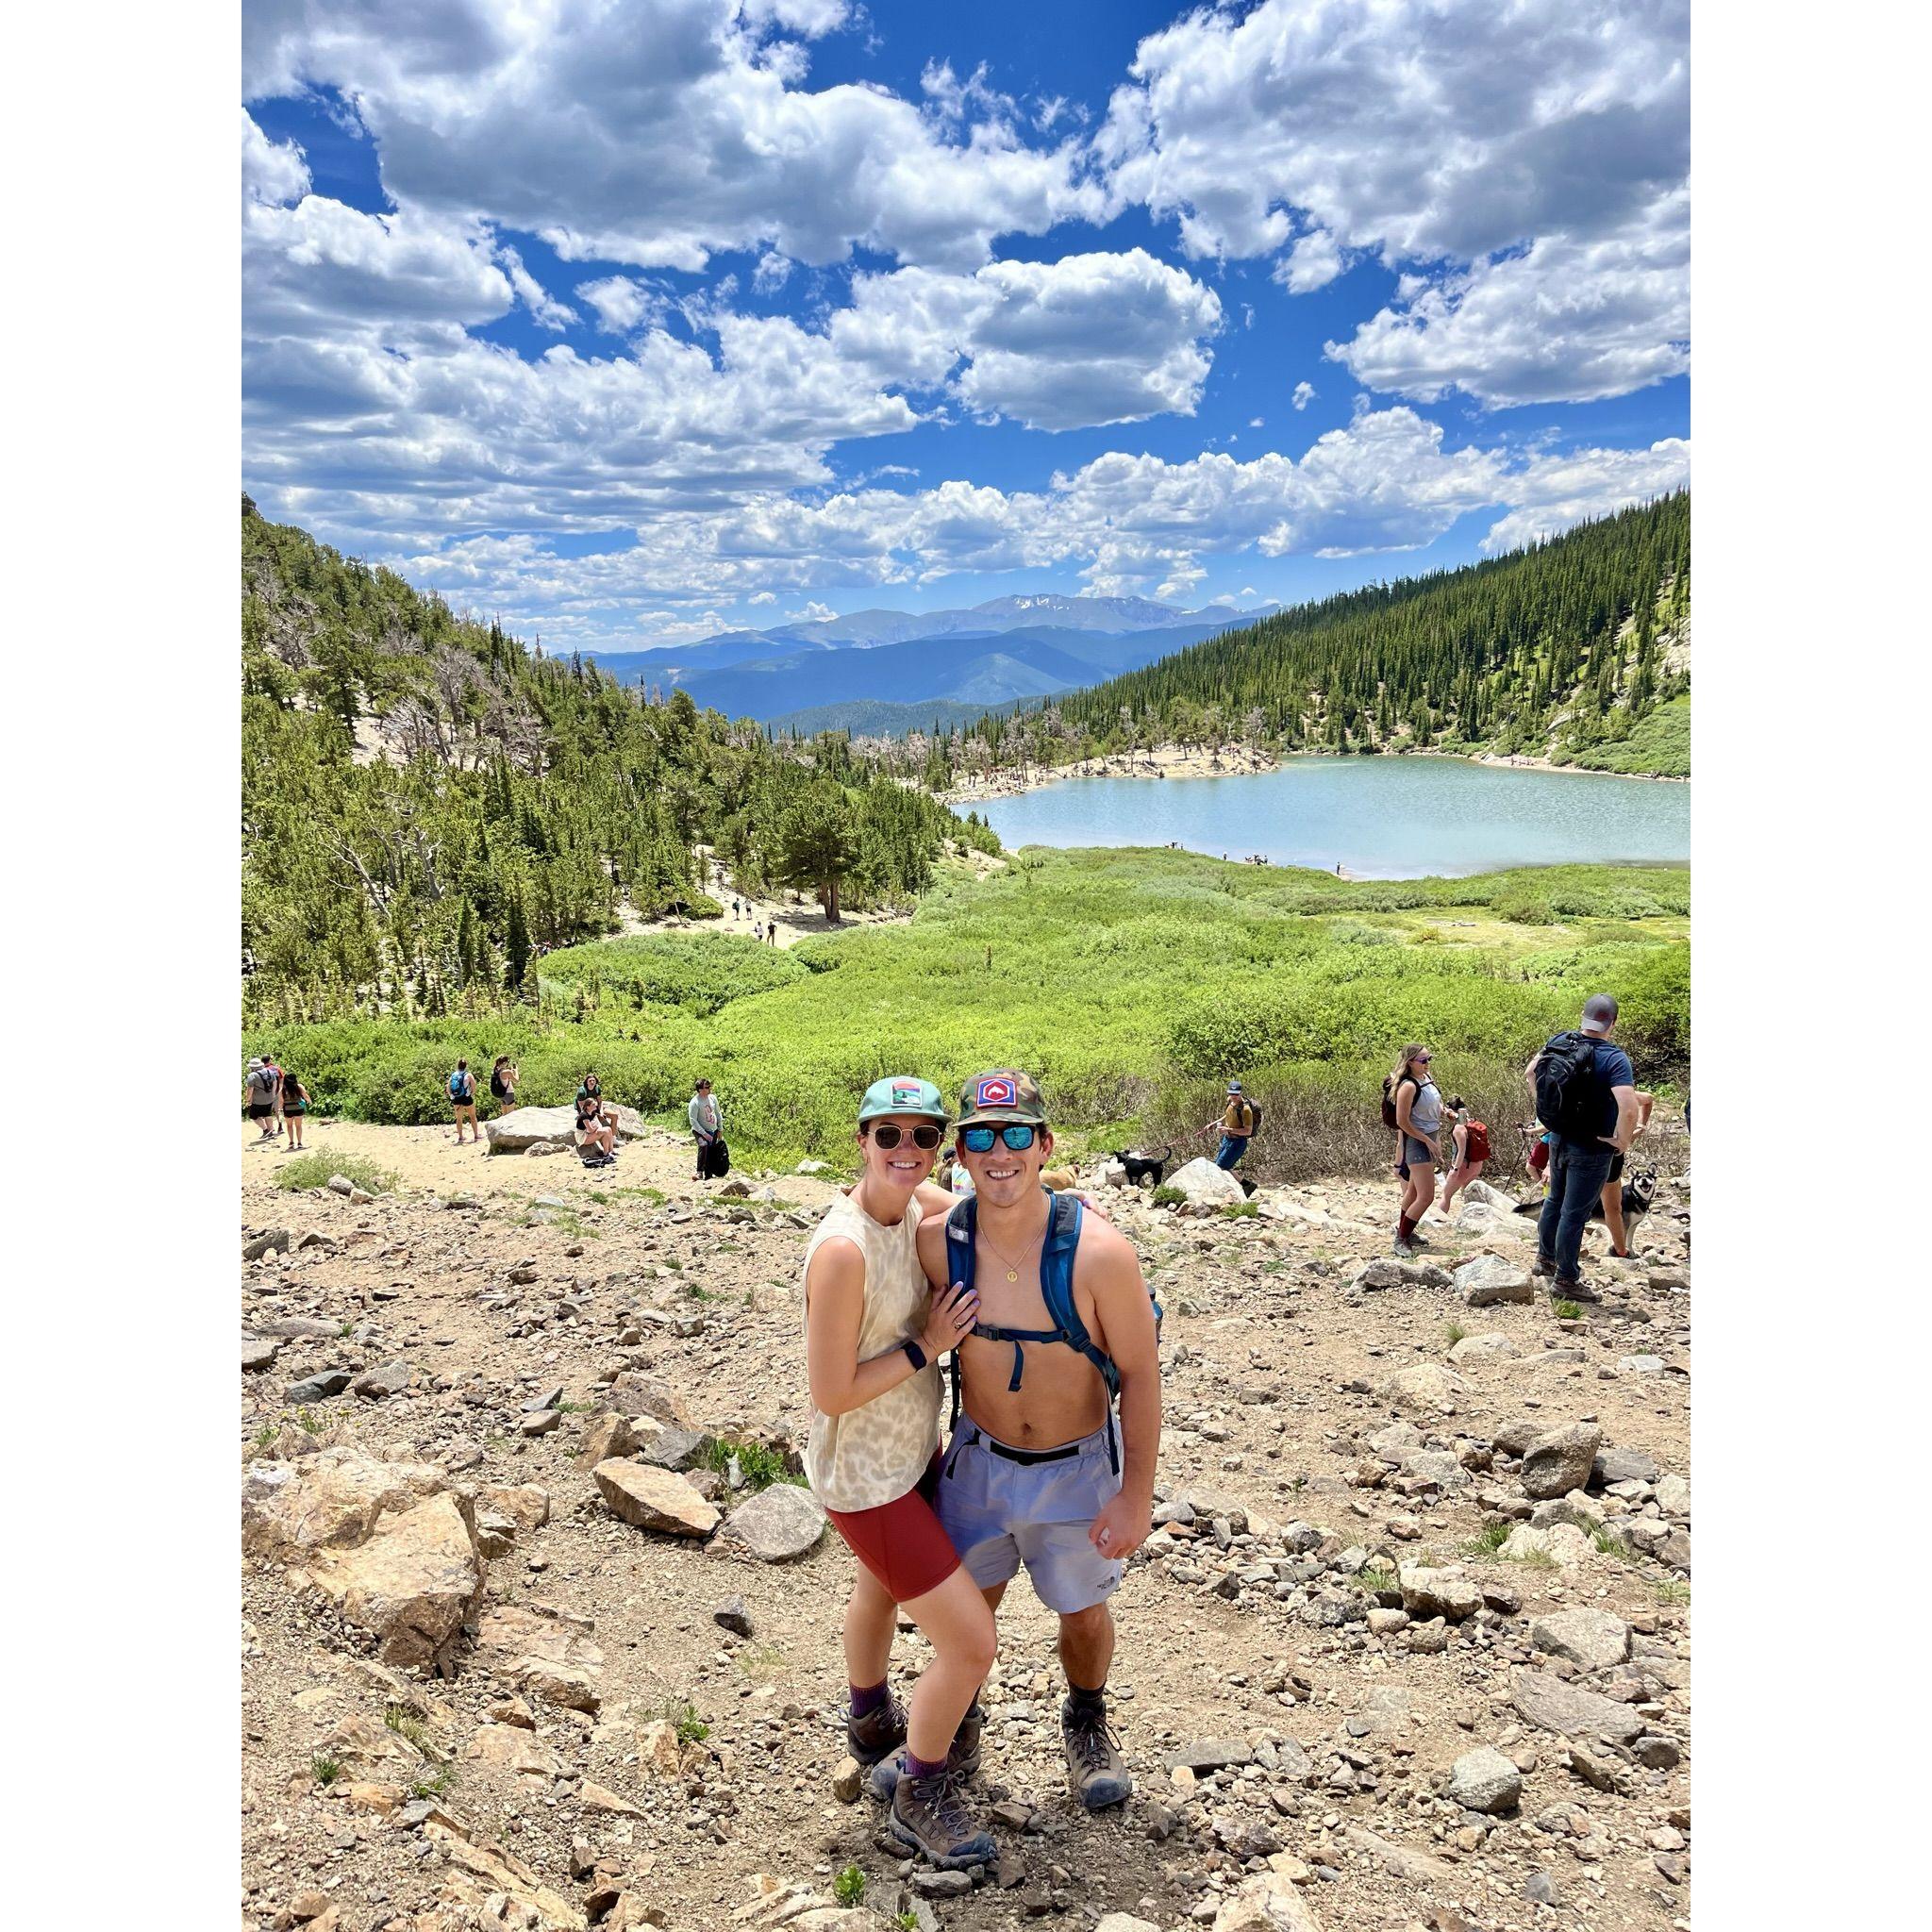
{"x":1018,"y":1135}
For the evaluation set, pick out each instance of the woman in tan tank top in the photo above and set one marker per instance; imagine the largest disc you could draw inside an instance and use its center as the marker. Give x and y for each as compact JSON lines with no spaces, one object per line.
{"x":874,"y":1334}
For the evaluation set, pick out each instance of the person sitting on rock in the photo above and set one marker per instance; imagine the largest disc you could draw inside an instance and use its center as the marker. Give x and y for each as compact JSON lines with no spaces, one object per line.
{"x":1039,"y":1470}
{"x":596,"y":1131}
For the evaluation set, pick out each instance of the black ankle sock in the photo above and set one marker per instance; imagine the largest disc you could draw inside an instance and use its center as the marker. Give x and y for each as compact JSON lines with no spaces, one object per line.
{"x":1093,"y":1703}
{"x":868,"y":1697}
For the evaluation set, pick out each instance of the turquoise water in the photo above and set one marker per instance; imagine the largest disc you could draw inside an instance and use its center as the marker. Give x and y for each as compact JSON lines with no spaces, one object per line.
{"x":1379,"y":818}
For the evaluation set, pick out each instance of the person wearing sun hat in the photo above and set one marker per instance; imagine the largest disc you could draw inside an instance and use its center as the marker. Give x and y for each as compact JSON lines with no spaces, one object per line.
{"x":1238,"y":1121}
{"x":874,"y":1334}
{"x":1040,"y":1471}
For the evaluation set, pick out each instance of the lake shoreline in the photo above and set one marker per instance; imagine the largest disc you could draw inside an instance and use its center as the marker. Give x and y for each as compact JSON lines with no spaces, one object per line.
{"x":1173,"y":762}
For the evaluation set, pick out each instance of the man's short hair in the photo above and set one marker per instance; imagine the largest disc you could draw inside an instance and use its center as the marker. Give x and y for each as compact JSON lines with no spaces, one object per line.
{"x":1600,"y":1010}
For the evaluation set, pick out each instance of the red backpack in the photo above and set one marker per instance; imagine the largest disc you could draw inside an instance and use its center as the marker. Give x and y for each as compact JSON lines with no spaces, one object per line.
{"x":1476,"y":1142}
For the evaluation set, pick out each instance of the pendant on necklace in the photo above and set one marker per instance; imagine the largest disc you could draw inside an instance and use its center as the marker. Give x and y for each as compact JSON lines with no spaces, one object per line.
{"x":1012,"y":1274}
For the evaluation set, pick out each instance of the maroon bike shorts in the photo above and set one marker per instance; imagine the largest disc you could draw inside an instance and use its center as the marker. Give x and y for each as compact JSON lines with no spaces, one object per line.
{"x":901,"y":1541}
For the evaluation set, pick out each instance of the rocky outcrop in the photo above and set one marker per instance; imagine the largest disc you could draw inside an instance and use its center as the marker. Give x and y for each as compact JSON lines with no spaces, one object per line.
{"x":551,"y":1127}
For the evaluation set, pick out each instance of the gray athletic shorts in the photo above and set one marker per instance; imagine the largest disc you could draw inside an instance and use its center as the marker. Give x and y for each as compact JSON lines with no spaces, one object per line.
{"x":1000,"y":1514}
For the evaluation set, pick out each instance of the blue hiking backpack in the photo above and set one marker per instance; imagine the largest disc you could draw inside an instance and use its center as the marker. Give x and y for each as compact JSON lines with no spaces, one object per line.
{"x":1056,"y":1285}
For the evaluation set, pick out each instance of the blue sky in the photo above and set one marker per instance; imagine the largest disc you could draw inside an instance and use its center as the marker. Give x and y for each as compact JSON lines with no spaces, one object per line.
{"x":630,"y":322}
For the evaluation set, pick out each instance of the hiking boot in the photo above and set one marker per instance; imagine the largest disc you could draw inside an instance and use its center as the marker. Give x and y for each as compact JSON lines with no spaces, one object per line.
{"x":929,"y":1815}
{"x":1572,"y":1291}
{"x":880,"y":1730}
{"x":1542,"y":1266}
{"x":1402,"y":1247}
{"x":962,"y":1756}
{"x":1096,"y":1772}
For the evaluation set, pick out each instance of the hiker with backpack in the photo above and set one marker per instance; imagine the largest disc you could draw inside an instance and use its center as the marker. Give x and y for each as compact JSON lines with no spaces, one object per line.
{"x":463,"y":1098}
{"x":258,"y":1098}
{"x":1039,"y":1470}
{"x":1240,"y":1119}
{"x":873,"y":1335}
{"x":1470,"y":1142}
{"x":1585,"y":1090}
{"x":1412,"y":1106}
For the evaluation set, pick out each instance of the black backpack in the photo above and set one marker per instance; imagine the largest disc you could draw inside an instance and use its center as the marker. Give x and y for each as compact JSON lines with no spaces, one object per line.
{"x":1569,"y":1095}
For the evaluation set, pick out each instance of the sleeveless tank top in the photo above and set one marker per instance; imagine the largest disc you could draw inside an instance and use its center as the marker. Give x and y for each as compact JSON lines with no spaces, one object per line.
{"x":876,"y":1453}
{"x":1426,"y":1110}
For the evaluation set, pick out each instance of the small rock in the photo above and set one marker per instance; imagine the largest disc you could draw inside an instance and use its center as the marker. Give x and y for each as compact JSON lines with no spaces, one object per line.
{"x":1484,"y":1780}
{"x":733,"y":1616}
{"x":318,"y":1387}
{"x":378,"y":1385}
{"x":654,"y":1499}
{"x":1488,"y":1280}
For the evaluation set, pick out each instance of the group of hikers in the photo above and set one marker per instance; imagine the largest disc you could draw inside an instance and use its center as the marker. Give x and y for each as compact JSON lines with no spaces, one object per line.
{"x":275,"y":1099}
{"x":1048,"y":1459}
{"x":1589,"y":1108}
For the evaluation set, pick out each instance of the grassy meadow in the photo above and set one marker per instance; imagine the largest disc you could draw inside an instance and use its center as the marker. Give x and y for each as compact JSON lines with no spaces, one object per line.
{"x":1131,"y":983}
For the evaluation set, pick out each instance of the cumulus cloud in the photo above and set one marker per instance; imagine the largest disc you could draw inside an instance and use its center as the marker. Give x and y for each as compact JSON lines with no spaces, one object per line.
{"x":621,"y":303}
{"x":1452,"y":138}
{"x":546,"y":309}
{"x":1304,"y":395}
{"x":272,"y":172}
{"x":687,"y":131}
{"x":1125,"y":523}
{"x":1562,"y":321}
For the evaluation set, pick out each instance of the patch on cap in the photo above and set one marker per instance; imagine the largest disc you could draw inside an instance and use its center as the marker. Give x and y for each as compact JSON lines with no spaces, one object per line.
{"x":995,"y":1089}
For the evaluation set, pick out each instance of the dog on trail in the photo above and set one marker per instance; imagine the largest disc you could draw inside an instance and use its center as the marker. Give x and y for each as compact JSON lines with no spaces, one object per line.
{"x":1145,"y":1166}
{"x":1640,"y":1189}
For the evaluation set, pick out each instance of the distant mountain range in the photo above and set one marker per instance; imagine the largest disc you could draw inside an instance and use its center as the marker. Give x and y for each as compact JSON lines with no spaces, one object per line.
{"x":1006,"y":648}
{"x":876,"y":718}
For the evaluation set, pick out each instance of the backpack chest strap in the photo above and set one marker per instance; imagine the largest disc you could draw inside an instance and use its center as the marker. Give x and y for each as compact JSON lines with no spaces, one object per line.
{"x":990,"y":1332}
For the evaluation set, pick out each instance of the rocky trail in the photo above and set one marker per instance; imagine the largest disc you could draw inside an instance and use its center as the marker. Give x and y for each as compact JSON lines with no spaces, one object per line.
{"x":525,"y":1643}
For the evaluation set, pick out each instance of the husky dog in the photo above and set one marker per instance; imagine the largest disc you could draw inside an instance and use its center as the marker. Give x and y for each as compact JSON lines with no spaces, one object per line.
{"x":1640,"y":1189}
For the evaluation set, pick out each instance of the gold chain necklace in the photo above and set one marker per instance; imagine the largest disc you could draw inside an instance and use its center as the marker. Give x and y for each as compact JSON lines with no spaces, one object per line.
{"x":1012,"y":1268}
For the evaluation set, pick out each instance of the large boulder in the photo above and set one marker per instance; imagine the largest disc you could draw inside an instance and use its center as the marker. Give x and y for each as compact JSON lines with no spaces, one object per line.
{"x":654,"y":1498}
{"x":779,"y":1523}
{"x":1560,"y":1461}
{"x":1591,"y":1639}
{"x":330,"y":1500}
{"x":1201,"y":1181}
{"x":1487,"y":1280}
{"x":1552,"y":1704}
{"x":413,"y":1584}
{"x":551,"y":1127}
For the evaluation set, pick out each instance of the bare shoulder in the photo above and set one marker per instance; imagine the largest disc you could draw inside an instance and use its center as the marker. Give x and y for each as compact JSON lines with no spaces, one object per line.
{"x":1103,"y":1249}
{"x":837,"y":1261}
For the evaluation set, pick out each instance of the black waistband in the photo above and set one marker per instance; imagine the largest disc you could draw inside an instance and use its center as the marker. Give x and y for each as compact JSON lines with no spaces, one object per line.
{"x":1025,"y":1455}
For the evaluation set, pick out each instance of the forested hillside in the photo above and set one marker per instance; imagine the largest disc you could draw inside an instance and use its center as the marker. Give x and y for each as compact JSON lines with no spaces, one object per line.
{"x":1575,"y":650}
{"x":425,"y":803}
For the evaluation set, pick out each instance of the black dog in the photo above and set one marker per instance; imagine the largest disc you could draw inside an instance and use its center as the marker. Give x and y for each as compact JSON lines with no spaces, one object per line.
{"x":1143,"y":1166}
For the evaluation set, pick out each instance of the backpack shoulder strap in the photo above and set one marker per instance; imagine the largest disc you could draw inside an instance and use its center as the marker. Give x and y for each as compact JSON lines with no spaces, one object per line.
{"x":962,"y":1232}
{"x":1057,"y":1286}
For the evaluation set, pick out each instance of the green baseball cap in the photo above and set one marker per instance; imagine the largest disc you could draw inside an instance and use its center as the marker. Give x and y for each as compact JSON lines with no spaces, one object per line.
{"x":902,"y":1094}
{"x":1005,"y":1095}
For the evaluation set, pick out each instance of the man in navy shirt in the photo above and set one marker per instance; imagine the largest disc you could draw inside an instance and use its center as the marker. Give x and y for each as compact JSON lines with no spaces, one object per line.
{"x":1580,"y":1159}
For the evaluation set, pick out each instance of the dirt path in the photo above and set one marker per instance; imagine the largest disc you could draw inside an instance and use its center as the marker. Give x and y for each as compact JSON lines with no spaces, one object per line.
{"x":1309,"y":1426}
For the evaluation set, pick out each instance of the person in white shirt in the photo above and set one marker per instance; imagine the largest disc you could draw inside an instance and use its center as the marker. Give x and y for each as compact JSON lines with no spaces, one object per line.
{"x":707,"y":1119}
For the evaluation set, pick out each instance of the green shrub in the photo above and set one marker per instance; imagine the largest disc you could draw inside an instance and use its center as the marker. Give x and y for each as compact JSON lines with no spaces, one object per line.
{"x":1653,"y":1011}
{"x":848,"y":1888}
{"x":310,"y":1171}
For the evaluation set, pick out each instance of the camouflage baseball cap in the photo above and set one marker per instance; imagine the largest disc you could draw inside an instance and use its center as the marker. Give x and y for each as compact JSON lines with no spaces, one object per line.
{"x":902,"y":1094}
{"x":1001,"y":1096}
